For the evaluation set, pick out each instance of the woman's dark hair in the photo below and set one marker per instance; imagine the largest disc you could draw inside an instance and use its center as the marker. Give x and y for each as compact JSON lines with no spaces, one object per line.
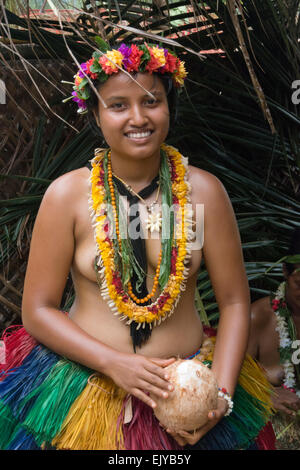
{"x":171,"y":93}
{"x":294,"y":249}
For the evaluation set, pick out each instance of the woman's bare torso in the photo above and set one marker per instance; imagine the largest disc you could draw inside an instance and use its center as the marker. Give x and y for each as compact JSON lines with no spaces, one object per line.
{"x":268,"y":343}
{"x":179,"y":335}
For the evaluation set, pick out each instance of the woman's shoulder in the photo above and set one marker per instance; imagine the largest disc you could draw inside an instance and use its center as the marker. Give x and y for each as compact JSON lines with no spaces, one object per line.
{"x":261,"y":311}
{"x":203,"y":178}
{"x":68,"y":186}
{"x":205,"y":185}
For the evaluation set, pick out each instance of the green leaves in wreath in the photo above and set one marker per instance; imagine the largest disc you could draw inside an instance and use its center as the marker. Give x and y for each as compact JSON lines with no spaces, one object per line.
{"x":285,"y":354}
{"x":102,"y":45}
{"x":96,"y":67}
{"x":145,"y":58}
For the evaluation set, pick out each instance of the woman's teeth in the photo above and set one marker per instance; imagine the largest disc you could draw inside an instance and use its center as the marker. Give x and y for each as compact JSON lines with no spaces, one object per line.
{"x":138,"y":135}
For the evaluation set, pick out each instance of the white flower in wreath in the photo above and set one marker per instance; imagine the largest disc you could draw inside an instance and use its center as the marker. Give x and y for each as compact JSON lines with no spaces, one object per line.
{"x":285,"y":342}
{"x":280,"y":291}
{"x":289,"y":383}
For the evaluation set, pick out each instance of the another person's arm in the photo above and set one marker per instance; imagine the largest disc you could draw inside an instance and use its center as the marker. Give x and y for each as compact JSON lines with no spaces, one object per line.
{"x":261,"y":313}
{"x":51,"y":253}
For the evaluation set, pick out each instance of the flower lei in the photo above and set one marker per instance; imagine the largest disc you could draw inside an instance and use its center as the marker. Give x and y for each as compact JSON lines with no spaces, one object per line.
{"x":283,"y":315}
{"x":144,"y":58}
{"x":111,"y":286}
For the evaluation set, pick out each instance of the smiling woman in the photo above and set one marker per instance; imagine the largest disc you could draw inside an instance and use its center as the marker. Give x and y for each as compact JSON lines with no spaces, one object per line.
{"x":83,"y":379}
{"x":133,"y":123}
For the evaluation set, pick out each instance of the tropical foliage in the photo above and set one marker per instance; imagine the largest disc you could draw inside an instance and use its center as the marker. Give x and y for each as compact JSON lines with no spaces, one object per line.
{"x":238,"y":117}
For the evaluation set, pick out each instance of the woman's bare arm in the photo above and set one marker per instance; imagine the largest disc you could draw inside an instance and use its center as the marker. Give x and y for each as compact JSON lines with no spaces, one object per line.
{"x":50,"y":258}
{"x":224,"y":261}
{"x":51,"y":252}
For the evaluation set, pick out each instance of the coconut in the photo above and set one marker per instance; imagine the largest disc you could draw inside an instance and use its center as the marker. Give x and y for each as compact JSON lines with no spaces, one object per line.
{"x":195,"y":394}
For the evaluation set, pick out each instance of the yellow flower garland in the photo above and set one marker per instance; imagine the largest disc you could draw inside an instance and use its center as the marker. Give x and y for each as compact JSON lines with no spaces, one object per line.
{"x":122,"y":304}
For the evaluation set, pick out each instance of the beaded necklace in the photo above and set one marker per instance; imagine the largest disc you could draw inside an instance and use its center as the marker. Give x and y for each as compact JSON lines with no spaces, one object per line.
{"x":178,"y":249}
{"x":154,"y":219}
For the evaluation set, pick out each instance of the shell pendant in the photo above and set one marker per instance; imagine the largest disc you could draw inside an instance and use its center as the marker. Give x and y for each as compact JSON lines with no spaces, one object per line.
{"x":154,"y":219}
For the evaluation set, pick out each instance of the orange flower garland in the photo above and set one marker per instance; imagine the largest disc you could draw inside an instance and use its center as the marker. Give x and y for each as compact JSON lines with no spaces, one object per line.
{"x":112,"y":289}
{"x":113,"y":199}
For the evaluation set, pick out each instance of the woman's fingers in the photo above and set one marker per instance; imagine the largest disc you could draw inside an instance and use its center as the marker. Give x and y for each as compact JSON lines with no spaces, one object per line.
{"x":155,"y":391}
{"x":157,"y":367}
{"x":143,"y":376}
{"x":162,"y":362}
{"x":155,"y":376}
{"x":138,"y":393}
{"x":293,"y":403}
{"x":285,"y":409}
{"x":215,"y":415}
{"x":154,"y":380}
{"x":177,"y":437}
{"x":191,"y":438}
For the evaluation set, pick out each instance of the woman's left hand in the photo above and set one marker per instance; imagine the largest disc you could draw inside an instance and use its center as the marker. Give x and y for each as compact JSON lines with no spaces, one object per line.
{"x":214,"y":416}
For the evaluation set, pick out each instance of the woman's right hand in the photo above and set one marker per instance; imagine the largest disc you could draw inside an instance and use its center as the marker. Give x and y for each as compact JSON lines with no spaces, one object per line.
{"x":140,"y":375}
{"x":286,"y":401}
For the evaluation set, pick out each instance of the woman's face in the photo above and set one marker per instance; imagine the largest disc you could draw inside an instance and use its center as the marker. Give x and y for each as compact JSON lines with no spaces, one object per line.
{"x":293,"y":285}
{"x":133,"y":124}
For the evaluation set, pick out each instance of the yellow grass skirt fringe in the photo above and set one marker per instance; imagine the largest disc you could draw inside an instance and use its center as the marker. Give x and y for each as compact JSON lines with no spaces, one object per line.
{"x":253,"y":380}
{"x":91,"y":423}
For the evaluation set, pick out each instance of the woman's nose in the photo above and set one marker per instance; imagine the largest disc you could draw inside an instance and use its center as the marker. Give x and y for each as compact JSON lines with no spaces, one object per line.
{"x":138,"y":116}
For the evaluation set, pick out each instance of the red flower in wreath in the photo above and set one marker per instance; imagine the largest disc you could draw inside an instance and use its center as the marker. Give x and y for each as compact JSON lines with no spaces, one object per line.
{"x":89,"y":63}
{"x":171,"y":63}
{"x":134,"y":59}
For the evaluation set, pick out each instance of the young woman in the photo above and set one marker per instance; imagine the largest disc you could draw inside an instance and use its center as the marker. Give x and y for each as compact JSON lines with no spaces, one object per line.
{"x":83,"y":379}
{"x":274,"y":342}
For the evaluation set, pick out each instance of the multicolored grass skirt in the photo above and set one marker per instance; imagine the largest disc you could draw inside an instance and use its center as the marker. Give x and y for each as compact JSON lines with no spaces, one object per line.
{"x":47,"y":401}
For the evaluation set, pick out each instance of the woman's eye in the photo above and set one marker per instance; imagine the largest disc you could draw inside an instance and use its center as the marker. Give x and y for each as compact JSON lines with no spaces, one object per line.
{"x":151,"y":101}
{"x":117,"y":105}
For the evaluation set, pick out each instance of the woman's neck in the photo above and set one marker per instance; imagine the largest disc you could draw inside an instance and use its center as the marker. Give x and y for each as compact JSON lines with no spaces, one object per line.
{"x":136,"y":173}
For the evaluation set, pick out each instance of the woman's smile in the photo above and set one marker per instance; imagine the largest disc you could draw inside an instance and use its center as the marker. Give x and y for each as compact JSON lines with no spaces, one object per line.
{"x":139,"y":136}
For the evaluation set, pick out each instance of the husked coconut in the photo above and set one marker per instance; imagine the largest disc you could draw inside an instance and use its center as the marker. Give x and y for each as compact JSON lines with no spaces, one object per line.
{"x":195,"y":394}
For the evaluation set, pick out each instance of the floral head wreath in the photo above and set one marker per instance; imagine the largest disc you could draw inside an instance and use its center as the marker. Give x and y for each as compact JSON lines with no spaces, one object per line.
{"x":135,"y":58}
